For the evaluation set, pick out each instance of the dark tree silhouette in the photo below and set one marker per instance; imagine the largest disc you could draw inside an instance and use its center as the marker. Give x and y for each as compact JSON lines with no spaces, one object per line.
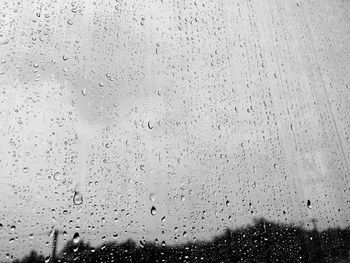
{"x":263,"y":241}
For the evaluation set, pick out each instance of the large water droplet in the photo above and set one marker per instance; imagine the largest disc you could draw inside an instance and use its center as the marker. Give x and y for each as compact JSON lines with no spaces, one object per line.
{"x":78,"y":195}
{"x":153,"y":211}
{"x":76,"y":238}
{"x":309,"y":204}
{"x":77,"y":198}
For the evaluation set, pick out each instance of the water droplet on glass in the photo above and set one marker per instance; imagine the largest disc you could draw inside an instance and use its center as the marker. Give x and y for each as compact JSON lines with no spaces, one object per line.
{"x":64,"y":57}
{"x":76,"y":238}
{"x":83,"y":91}
{"x":153,"y":211}
{"x":309,"y":204}
{"x":77,"y":198}
{"x":150,"y":126}
{"x":25,"y":169}
{"x":57,"y":176}
{"x":152,"y":197}
{"x":227,"y":203}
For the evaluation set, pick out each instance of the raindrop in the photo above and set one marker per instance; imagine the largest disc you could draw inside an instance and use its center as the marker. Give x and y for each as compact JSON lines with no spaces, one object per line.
{"x":76,"y":238}
{"x":57,"y":176}
{"x":153,"y":211}
{"x":64,"y":57}
{"x":83,"y":91}
{"x":152,"y":197}
{"x":150,"y":126}
{"x":25,"y":169}
{"x":309,"y":204}
{"x":227,"y":203}
{"x":47,"y":259}
{"x":78,"y":198}
{"x":70,"y":22}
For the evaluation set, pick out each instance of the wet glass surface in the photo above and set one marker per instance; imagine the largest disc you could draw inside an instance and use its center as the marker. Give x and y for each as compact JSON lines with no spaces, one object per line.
{"x":174,"y":131}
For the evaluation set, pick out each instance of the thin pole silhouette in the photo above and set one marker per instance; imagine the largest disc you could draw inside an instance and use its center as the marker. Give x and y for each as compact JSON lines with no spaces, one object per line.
{"x":54,"y":246}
